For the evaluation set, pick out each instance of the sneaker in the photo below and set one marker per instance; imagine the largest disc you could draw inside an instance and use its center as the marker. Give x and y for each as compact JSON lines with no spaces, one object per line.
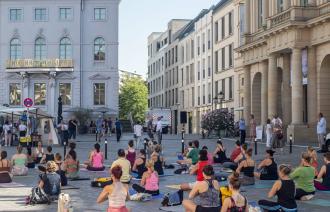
{"x":307,"y":197}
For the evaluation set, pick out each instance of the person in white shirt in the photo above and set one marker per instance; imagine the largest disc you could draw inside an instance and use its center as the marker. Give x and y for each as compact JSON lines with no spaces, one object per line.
{"x":7,"y":128}
{"x":159,"y":130}
{"x":269,"y":132}
{"x":321,"y":129}
{"x":137,"y":133}
{"x":22,"y":129}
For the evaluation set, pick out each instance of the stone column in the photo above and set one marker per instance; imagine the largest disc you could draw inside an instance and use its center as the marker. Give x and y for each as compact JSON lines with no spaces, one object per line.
{"x":311,"y":87}
{"x":286,"y":93}
{"x":264,"y":92}
{"x":286,"y":4}
{"x":247,"y":17}
{"x":51,"y":96}
{"x":272,"y":85}
{"x":297,"y":89}
{"x":247,"y":94}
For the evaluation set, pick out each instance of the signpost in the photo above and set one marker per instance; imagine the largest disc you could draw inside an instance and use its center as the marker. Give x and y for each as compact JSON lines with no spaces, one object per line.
{"x":28,"y":102}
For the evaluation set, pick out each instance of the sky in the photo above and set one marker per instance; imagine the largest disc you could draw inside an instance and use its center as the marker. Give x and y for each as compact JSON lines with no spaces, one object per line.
{"x":139,"y":18}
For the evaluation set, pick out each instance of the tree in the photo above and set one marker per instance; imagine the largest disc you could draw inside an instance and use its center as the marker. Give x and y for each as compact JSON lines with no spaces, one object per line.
{"x":133,"y":99}
{"x":218,"y":120}
{"x":82,"y":115}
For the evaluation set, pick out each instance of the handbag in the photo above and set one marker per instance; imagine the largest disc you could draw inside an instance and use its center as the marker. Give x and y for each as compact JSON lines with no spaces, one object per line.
{"x":38,"y":196}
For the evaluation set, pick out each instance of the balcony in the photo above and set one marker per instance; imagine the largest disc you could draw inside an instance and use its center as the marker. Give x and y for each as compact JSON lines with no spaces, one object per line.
{"x":47,"y":65}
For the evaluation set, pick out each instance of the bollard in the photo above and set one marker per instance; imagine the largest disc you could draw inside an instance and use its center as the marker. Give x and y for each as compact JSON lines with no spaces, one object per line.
{"x":255,"y":147}
{"x":290,"y":144}
{"x":106,"y":149}
{"x":182,"y":141}
{"x":64,"y":148}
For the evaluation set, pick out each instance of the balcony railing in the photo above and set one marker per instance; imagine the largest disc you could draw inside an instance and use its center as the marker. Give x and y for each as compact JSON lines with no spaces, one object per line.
{"x":39,"y":64}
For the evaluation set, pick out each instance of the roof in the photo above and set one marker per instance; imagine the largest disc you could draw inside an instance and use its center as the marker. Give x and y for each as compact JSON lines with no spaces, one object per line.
{"x":220,"y":5}
{"x":190,"y":27}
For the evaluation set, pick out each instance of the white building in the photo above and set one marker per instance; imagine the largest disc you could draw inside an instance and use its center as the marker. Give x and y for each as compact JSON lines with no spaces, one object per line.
{"x":66,"y":48}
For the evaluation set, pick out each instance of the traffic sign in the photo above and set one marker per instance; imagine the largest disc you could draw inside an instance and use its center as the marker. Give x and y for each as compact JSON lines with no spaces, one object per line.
{"x":28,"y":102}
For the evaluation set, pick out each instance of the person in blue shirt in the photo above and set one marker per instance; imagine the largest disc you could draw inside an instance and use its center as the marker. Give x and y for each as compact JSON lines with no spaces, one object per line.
{"x":242,"y":129}
{"x":118,"y":129}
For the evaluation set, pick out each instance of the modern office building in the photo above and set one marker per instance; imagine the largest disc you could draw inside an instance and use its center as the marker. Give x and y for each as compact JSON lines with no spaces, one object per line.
{"x":59,"y":48}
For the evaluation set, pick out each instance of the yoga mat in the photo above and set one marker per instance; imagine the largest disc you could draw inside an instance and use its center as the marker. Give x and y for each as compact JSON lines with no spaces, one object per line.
{"x":174,"y":186}
{"x":178,"y":208}
{"x":80,"y":179}
{"x":159,"y":196}
{"x":325,"y":192}
{"x":86,"y":170}
{"x":318,"y":202}
{"x":11,"y":185}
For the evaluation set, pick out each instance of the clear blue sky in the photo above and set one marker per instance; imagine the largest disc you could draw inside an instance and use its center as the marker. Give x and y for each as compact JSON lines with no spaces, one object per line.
{"x":139,"y":18}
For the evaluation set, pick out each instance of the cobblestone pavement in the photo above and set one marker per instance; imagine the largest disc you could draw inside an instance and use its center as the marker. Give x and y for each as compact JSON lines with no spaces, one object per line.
{"x":84,"y":199}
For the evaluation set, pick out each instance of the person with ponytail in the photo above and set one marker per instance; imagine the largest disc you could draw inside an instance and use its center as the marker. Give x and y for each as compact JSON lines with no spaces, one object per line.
{"x":284,"y":189}
{"x":246,"y":167}
{"x":208,"y":193}
{"x":237,"y":202}
{"x":96,"y":159}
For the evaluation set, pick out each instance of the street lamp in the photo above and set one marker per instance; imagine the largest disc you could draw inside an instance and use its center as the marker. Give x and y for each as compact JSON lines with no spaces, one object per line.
{"x":218,"y":99}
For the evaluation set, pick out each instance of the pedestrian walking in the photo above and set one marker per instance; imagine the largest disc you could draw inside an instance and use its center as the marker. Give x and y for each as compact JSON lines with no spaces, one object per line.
{"x":137,"y":133}
{"x":150,"y":128}
{"x":253,"y":126}
{"x":64,"y":132}
{"x":277,"y":136}
{"x":7,"y":128}
{"x":159,"y":130}
{"x":72,"y":128}
{"x":321,"y":129}
{"x":242,"y":129}
{"x":118,"y":129}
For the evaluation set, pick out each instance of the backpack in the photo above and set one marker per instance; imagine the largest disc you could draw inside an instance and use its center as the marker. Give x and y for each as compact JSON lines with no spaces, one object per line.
{"x":173,"y":199}
{"x":101,"y":182}
{"x":38,"y":196}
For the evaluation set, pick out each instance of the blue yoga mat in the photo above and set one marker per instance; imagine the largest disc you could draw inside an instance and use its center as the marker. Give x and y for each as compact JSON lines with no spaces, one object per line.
{"x":318,"y":202}
{"x":325,"y":192}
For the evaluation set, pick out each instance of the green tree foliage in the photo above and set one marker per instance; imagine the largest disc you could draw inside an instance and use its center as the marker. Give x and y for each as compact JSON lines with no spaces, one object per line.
{"x":133,"y":99}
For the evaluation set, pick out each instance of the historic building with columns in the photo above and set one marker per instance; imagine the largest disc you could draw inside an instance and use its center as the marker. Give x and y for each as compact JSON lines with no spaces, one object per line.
{"x":66,"y":48}
{"x":286,"y":63}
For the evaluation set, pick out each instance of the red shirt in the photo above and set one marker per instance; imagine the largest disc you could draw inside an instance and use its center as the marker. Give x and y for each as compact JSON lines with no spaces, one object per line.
{"x":235,"y":153}
{"x":201,"y":165}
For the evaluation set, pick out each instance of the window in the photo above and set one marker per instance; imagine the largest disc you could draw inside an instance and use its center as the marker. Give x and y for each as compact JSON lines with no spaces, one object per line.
{"x":15,"y":49}
{"x":230,"y":55}
{"x":15,"y":94}
{"x":216,"y":87}
{"x":199,"y":95}
{"x":304,"y":3}
{"x":15,"y":14}
{"x":231,"y":88}
{"x":40,"y":93}
{"x":222,"y":27}
{"x":40,"y":49}
{"x":198,"y":45}
{"x":65,"y":14}
{"x":260,"y":13}
{"x":230,"y":23}
{"x":209,"y":93}
{"x":242,"y":82}
{"x":99,"y":14}
{"x":99,"y":94}
{"x":192,"y":48}
{"x":223,"y":88}
{"x":209,"y":39}
{"x":65,"y":49}
{"x":199,"y":71}
{"x":216,"y":56}
{"x":193,"y":96}
{"x":223,"y":58}
{"x":216,"y":29}
{"x":99,"y":49}
{"x":203,"y":68}
{"x":40,"y":14}
{"x":209,"y":66}
{"x":280,"y":6}
{"x":203,"y":40}
{"x":203,"y":94}
{"x":65,"y":93}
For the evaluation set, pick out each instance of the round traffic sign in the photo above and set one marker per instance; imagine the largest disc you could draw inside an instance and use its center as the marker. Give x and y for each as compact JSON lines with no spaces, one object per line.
{"x":28,"y":102}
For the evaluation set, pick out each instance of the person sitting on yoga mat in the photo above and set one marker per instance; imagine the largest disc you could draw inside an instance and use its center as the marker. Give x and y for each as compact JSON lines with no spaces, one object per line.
{"x":59,"y":171}
{"x":30,"y":158}
{"x":125,"y":166}
{"x":50,"y":181}
{"x":158,"y":160}
{"x":49,"y":156}
{"x":219,"y":154}
{"x":209,"y":155}
{"x":192,"y":157}
{"x":267,"y":167}
{"x":19,"y":162}
{"x":284,"y":189}
{"x":303,"y":176}
{"x":208,"y":193}
{"x":188,"y":148}
{"x":5,"y":168}
{"x":198,"y":170}
{"x":150,"y":181}
{"x":237,"y":202}
{"x":312,"y":153}
{"x":131,"y":153}
{"x":139,"y":166}
{"x":96,"y":159}
{"x":324,"y":175}
{"x":117,"y":192}
{"x":71,"y":165}
{"x":247,"y":168}
{"x":236,"y":157}
{"x":39,"y":152}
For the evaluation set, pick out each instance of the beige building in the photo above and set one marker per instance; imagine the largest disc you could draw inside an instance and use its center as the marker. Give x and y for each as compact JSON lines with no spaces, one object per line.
{"x":286,"y":63}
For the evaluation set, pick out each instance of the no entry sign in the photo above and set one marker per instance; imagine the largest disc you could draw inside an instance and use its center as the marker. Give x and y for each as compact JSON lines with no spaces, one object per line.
{"x":28,"y":102}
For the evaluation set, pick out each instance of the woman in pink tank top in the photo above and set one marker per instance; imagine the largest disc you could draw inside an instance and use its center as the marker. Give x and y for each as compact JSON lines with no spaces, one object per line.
{"x":96,"y":159}
{"x":150,"y":181}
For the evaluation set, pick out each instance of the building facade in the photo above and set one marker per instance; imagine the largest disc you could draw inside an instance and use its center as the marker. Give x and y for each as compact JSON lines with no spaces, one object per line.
{"x":66,"y":48}
{"x":286,"y":63}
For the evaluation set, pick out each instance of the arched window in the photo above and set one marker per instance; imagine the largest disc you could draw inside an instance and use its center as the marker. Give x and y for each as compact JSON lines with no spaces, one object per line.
{"x":40,"y":49}
{"x":99,"y":49}
{"x":65,"y":48}
{"x":15,"y":49}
